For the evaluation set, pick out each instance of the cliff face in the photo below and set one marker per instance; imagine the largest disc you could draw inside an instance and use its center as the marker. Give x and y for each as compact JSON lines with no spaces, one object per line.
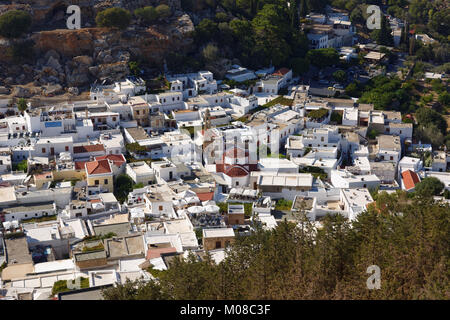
{"x":76,"y":58}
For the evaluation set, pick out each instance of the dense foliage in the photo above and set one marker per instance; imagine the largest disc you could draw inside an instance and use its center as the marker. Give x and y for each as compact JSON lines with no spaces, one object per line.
{"x":406,"y":237}
{"x":113,"y":18}
{"x":14,"y":23}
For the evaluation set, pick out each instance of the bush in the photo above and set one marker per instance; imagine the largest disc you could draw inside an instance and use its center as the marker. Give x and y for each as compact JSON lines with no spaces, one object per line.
{"x":14,"y":23}
{"x":20,"y":51}
{"x":323,"y":57}
{"x":113,"y":18}
{"x":148,"y":14}
{"x":283,"y":204}
{"x":21,"y":166}
{"x":61,"y":285}
{"x":318,"y":114}
{"x":372,"y":133}
{"x":336,"y":117}
{"x":22,"y":104}
{"x":163,"y":11}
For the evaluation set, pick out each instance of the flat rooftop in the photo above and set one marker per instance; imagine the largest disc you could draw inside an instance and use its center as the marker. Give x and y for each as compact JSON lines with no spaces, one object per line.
{"x":125,"y":246}
{"x":218,"y":232}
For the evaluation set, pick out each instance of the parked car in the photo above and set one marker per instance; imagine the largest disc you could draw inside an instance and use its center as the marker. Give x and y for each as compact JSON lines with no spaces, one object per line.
{"x":338,"y":86}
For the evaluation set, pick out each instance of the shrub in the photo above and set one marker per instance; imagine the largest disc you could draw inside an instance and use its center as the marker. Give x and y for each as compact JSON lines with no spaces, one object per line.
{"x":318,"y":114}
{"x":147,"y":14}
{"x":14,"y":23}
{"x":113,"y":18}
{"x":163,"y":11}
{"x":61,"y":285}
{"x":283,"y":204}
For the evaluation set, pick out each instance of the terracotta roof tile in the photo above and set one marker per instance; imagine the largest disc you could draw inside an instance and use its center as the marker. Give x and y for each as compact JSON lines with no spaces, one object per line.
{"x":98,"y":167}
{"x":281,"y":72}
{"x":237,"y":172}
{"x":117,"y":159}
{"x":80,"y":165}
{"x":205,"y":196}
{"x":89,"y":148}
{"x":410,"y":179}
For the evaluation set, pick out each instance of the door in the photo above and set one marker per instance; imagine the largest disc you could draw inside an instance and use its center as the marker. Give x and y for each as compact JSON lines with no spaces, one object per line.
{"x":52,"y":151}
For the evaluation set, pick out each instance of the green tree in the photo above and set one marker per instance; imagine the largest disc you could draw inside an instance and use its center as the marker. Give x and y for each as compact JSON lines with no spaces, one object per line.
{"x":299,"y":65}
{"x":444,"y":99}
{"x":163,"y":11}
{"x":429,"y":187}
{"x":323,"y":57}
{"x":122,"y":187}
{"x":210,"y":53}
{"x":206,"y":31}
{"x":113,"y":18}
{"x":303,"y":8}
{"x":426,"y":117}
{"x":134,"y":68}
{"x":14,"y":23}
{"x":384,"y":36}
{"x":271,"y":29}
{"x":148,"y":14}
{"x":340,"y":76}
{"x":22,"y":166}
{"x":22,"y":104}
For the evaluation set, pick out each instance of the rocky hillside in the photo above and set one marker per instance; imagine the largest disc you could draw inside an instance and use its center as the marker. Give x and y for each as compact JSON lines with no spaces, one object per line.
{"x":65,"y":60}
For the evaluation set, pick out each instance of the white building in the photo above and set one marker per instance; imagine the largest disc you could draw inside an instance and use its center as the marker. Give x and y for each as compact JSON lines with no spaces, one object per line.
{"x":140,"y":172}
{"x":345,"y":179}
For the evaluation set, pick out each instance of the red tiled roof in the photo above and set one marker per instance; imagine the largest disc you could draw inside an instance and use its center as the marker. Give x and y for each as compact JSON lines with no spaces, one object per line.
{"x":281,"y":72}
{"x":237,"y":172}
{"x":98,"y":167}
{"x":205,"y":196}
{"x":117,"y":159}
{"x":410,"y":179}
{"x":89,"y":148}
{"x":156,"y":252}
{"x":80,"y":165}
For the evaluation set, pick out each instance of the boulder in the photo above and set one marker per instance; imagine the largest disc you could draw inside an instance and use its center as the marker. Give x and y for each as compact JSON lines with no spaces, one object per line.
{"x":4,"y":90}
{"x":52,"y":90}
{"x":73,"y":90}
{"x":86,"y":60}
{"x":54,"y":63}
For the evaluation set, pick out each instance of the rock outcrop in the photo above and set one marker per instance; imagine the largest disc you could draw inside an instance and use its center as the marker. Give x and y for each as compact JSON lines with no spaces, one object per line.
{"x":76,"y":58}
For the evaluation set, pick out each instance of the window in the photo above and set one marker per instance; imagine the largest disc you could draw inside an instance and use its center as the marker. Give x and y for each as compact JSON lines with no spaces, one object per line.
{"x":43,"y":150}
{"x":322,"y":139}
{"x":66,"y":148}
{"x":106,"y":181}
{"x":237,"y":183}
{"x":218,"y":245}
{"x":96,"y":182}
{"x":160,"y":208}
{"x":114,"y":118}
{"x":137,"y":112}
